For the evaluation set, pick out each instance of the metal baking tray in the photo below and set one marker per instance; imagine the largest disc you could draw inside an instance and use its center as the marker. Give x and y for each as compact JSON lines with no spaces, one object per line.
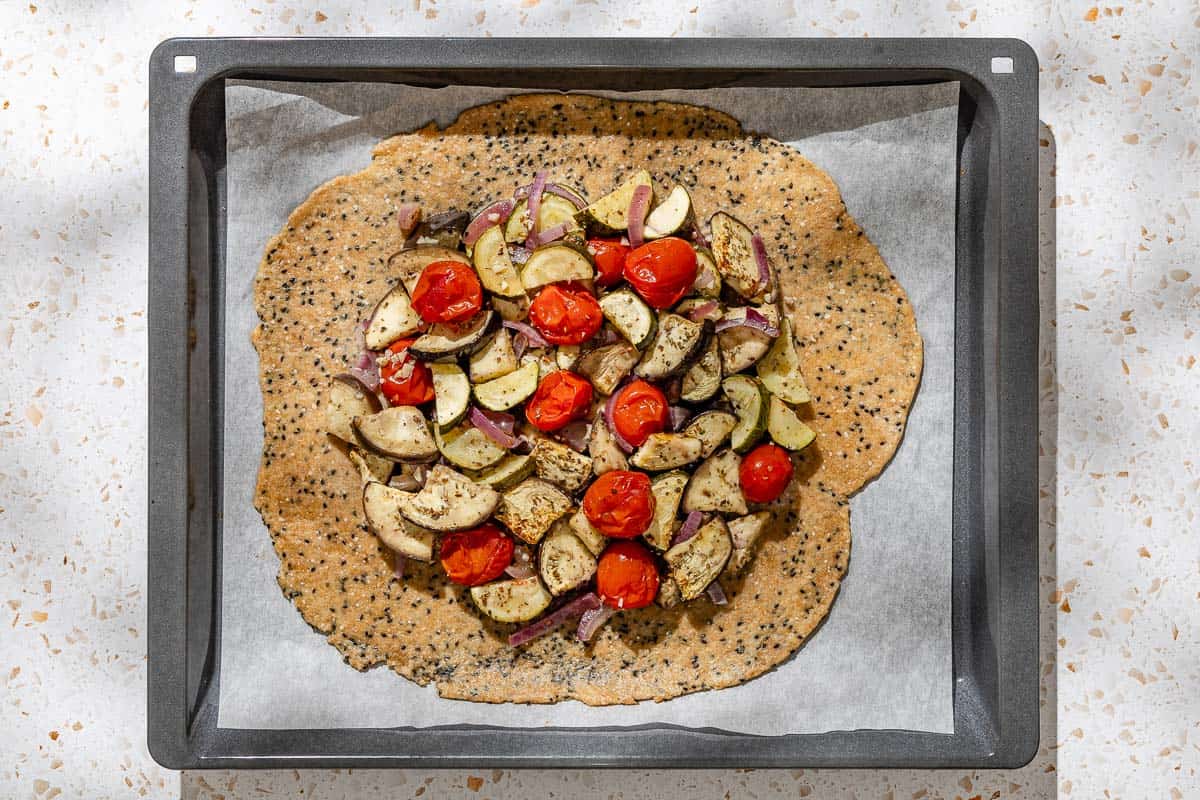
{"x":994,"y":596}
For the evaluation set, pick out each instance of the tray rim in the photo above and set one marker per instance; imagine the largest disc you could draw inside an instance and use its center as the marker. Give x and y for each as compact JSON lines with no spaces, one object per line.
{"x":183,"y":735}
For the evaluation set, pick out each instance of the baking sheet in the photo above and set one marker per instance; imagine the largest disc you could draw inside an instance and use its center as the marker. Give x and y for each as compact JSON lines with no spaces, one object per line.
{"x":883,"y":658}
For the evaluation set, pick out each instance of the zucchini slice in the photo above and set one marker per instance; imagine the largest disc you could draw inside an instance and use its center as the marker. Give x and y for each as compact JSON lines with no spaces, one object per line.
{"x":715,"y":486}
{"x":554,"y":210}
{"x":392,"y":319}
{"x":750,"y":403}
{"x":744,"y":533}
{"x":515,"y":600}
{"x":786,"y":428}
{"x":708,"y":277}
{"x":505,"y":392}
{"x":381,"y":507}
{"x":506,"y":473}
{"x":779,"y":369}
{"x":561,"y":465}
{"x":676,"y":344}
{"x":742,"y":346}
{"x":607,"y":366}
{"x":531,"y":507}
{"x":455,"y":339}
{"x":630,"y":315}
{"x":399,"y":433}
{"x":605,"y":453}
{"x":564,"y":562}
{"x":544,"y":357}
{"x":449,"y":501}
{"x":733,"y":250}
{"x":696,"y":562}
{"x":669,"y":216}
{"x":468,"y":447}
{"x":712,"y":428}
{"x":553,"y":264}
{"x":407,"y":265}
{"x":610,"y":214}
{"x":494,"y":359}
{"x":663,"y":451}
{"x":702,"y":381}
{"x":668,"y":492}
{"x":348,"y":398}
{"x":593,"y":540}
{"x":513,"y":309}
{"x":496,"y":271}
{"x":451,"y":393}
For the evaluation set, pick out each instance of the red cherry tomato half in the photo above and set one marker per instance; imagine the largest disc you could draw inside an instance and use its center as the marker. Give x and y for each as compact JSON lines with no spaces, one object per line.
{"x":609,"y":255}
{"x":662,"y":271}
{"x":476,"y":556}
{"x":765,"y":472}
{"x":561,"y":398}
{"x":403,"y":378}
{"x":626,"y":576}
{"x":620,"y":503}
{"x":566,"y":313}
{"x":639,"y":410}
{"x":447,"y":291}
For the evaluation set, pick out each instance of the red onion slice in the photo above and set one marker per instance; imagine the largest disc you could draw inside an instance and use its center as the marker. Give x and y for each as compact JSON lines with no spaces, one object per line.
{"x":639,"y":204}
{"x":691,"y":524}
{"x":612,"y":426}
{"x":408,"y":215}
{"x":550,"y":234}
{"x":495,"y":214}
{"x":366,"y":370}
{"x":703,"y":311}
{"x":528,"y":331}
{"x":575,"y":435}
{"x":522,"y":564}
{"x":716,"y":594}
{"x":491,"y":429}
{"x":398,"y":562}
{"x":679,"y":416}
{"x":698,"y":235}
{"x":592,"y":620}
{"x":555,"y":189}
{"x":752,"y":318}
{"x":518,"y":254}
{"x":534,"y":205}
{"x":585,"y":602}
{"x":764,"y":266}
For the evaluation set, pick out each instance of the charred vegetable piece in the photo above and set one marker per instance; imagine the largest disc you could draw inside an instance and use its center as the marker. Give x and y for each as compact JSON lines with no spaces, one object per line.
{"x":506,"y":473}
{"x":668,"y":492}
{"x":663,"y":451}
{"x":494,"y":359}
{"x":607,"y":366}
{"x":779,"y":369}
{"x":400,"y":433}
{"x":449,"y":501}
{"x":712,"y":428}
{"x":750,"y":403}
{"x":516,"y":600}
{"x":603,"y":449}
{"x":786,"y":428}
{"x":676,"y":344}
{"x":696,"y":562}
{"x":531,"y":507}
{"x":381,"y":506}
{"x":561,"y":465}
{"x":715,"y":486}
{"x":610,"y":214}
{"x":733,"y":249}
{"x":348,"y":398}
{"x":393,"y":318}
{"x":702,"y":381}
{"x":564,"y":562}
{"x":744,"y":533}
{"x":594,"y":540}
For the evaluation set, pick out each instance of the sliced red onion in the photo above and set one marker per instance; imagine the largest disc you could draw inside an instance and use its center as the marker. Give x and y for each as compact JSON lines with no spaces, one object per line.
{"x":585,"y":602}
{"x":752,"y":318}
{"x":575,"y":435}
{"x":550,"y":234}
{"x":490,"y":429}
{"x":703,"y":311}
{"x":528,"y":331}
{"x":704,"y":279}
{"x":520,"y":344}
{"x":612,"y":426}
{"x":698,"y":235}
{"x":495,"y":214}
{"x":405,"y":482}
{"x":691,"y":524}
{"x":398,"y":562}
{"x":505,"y":422}
{"x":716,"y":594}
{"x":609,"y":336}
{"x":522,"y":564}
{"x":679,"y":416}
{"x":555,"y":189}
{"x":534,"y":204}
{"x":764,"y":266}
{"x":366,"y":370}
{"x":519,"y":254}
{"x":408,"y":215}
{"x":592,"y":620}
{"x":639,"y":204}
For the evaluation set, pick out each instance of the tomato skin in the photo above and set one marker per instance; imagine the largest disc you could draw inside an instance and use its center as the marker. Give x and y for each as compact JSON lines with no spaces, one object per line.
{"x":627,"y":576}
{"x":447,"y":291}
{"x":639,"y":410}
{"x":765,"y":473}
{"x":413,"y":390}
{"x":561,"y":398}
{"x":609,"y":255}
{"x":566,"y":313}
{"x":620,"y":504}
{"x":476,"y":556}
{"x":661,"y":271}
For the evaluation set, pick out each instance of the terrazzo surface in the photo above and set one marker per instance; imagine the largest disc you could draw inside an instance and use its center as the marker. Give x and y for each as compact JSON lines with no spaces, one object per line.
{"x":1120,"y":432}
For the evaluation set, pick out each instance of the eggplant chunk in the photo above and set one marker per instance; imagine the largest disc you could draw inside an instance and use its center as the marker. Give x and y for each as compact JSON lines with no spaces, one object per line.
{"x":370,"y":466}
{"x":677,"y":342}
{"x":696,"y":562}
{"x":564,"y":562}
{"x":744,"y":533}
{"x":663,"y":451}
{"x":348,"y":398}
{"x":668,"y":593}
{"x":531,"y":507}
{"x":603,"y":449}
{"x":712,"y":428}
{"x":743,"y":346}
{"x":381,"y":506}
{"x":446,"y":339}
{"x":715,"y":486}
{"x":400,"y":433}
{"x":592,"y":539}
{"x":607,"y":366}
{"x":449,"y":501}
{"x":668,"y":491}
{"x":561,"y":465}
{"x":516,"y":600}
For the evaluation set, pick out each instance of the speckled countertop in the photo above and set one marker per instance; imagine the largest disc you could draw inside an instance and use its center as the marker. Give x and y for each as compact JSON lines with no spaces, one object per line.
{"x":1120,"y":390}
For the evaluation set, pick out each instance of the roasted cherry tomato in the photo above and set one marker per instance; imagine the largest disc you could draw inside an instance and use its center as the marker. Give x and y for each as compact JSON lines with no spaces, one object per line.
{"x":626,"y":576}
{"x":476,"y":556}
{"x":609,"y":255}
{"x":661,"y":271}
{"x":561,"y":398}
{"x":566,"y":313}
{"x":620,"y":503}
{"x":447,"y":291}
{"x":404,"y":379}
{"x":765,"y":472}
{"x":639,"y":410}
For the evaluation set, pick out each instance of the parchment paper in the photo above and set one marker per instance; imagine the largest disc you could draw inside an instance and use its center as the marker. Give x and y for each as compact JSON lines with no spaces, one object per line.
{"x":883,"y":657}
